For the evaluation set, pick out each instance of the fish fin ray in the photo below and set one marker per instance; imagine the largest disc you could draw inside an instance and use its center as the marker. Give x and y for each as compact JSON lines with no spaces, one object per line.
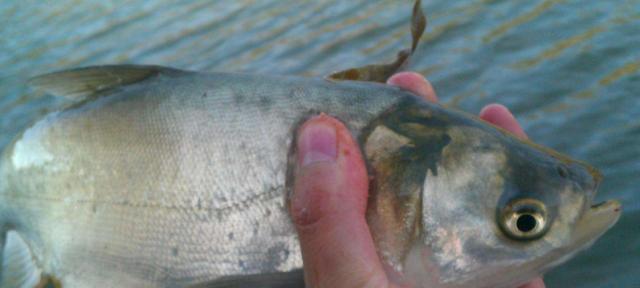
{"x":291,"y":279}
{"x":382,"y":72}
{"x":81,"y":83}
{"x":19,"y":268}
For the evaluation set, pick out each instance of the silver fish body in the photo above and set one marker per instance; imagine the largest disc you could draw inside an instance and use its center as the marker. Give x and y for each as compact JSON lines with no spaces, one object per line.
{"x":181,"y":178}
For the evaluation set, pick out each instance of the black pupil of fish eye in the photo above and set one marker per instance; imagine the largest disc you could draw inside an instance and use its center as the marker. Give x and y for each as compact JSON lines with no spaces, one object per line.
{"x":526,"y":223}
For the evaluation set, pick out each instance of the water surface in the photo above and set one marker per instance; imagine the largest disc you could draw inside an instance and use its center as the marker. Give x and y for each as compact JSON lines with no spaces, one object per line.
{"x":568,"y":69}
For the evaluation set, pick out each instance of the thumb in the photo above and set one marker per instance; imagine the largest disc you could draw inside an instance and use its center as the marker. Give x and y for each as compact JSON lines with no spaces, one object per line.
{"x":328,"y":206}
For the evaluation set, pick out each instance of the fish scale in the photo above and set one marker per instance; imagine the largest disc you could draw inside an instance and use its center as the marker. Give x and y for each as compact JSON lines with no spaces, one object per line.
{"x":158,"y":177}
{"x":132,"y":219}
{"x":180,"y":178}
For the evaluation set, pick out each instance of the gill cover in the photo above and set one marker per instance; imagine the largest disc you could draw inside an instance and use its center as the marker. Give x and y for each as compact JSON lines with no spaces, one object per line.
{"x":401,"y":146}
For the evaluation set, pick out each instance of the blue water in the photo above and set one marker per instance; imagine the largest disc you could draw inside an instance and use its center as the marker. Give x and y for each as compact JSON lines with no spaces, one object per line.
{"x":570,"y":70}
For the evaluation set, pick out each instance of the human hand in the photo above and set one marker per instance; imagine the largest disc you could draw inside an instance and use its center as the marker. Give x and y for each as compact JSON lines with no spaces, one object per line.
{"x":330,"y":197}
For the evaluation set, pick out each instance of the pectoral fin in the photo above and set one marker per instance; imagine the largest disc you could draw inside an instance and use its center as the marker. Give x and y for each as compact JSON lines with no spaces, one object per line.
{"x":19,"y":269}
{"x":382,"y":72}
{"x":292,"y":279}
{"x":80,"y":83}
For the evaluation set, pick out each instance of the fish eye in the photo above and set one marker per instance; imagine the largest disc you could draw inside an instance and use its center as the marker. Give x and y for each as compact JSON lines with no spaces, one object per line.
{"x":524,"y":219}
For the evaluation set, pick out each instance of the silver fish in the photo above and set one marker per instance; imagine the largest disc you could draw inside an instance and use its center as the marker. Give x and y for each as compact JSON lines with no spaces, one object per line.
{"x":176,"y":178}
{"x":158,"y":177}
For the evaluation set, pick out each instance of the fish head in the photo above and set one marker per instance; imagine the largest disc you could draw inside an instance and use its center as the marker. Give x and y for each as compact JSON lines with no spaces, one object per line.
{"x":456,"y":202}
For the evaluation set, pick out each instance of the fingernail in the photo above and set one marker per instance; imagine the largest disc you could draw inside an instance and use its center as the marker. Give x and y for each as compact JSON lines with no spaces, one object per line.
{"x":316,"y":142}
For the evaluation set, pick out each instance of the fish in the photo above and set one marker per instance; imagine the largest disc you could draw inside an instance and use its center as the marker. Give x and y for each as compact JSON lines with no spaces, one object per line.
{"x":160,"y":177}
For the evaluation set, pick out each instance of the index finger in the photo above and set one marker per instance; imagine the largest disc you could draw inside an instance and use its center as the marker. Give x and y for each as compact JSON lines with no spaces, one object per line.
{"x":415,"y":83}
{"x":500,"y":116}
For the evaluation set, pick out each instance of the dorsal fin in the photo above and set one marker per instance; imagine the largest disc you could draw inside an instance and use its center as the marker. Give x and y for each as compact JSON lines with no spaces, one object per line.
{"x":18,"y":266}
{"x":81,"y":83}
{"x":381,"y":72}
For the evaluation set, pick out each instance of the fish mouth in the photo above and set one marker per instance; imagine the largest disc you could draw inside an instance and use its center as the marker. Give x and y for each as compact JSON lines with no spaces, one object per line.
{"x":597,"y":218}
{"x":611,"y":204}
{"x":595,"y":221}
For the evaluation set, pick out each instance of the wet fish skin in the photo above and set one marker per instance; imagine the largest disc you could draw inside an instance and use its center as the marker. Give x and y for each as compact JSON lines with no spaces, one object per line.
{"x":181,"y":179}
{"x":172,"y":181}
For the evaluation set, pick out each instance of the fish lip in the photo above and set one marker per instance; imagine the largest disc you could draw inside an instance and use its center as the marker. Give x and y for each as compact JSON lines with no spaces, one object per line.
{"x":609,"y":209}
{"x":609,"y":204}
{"x":596,"y":220}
